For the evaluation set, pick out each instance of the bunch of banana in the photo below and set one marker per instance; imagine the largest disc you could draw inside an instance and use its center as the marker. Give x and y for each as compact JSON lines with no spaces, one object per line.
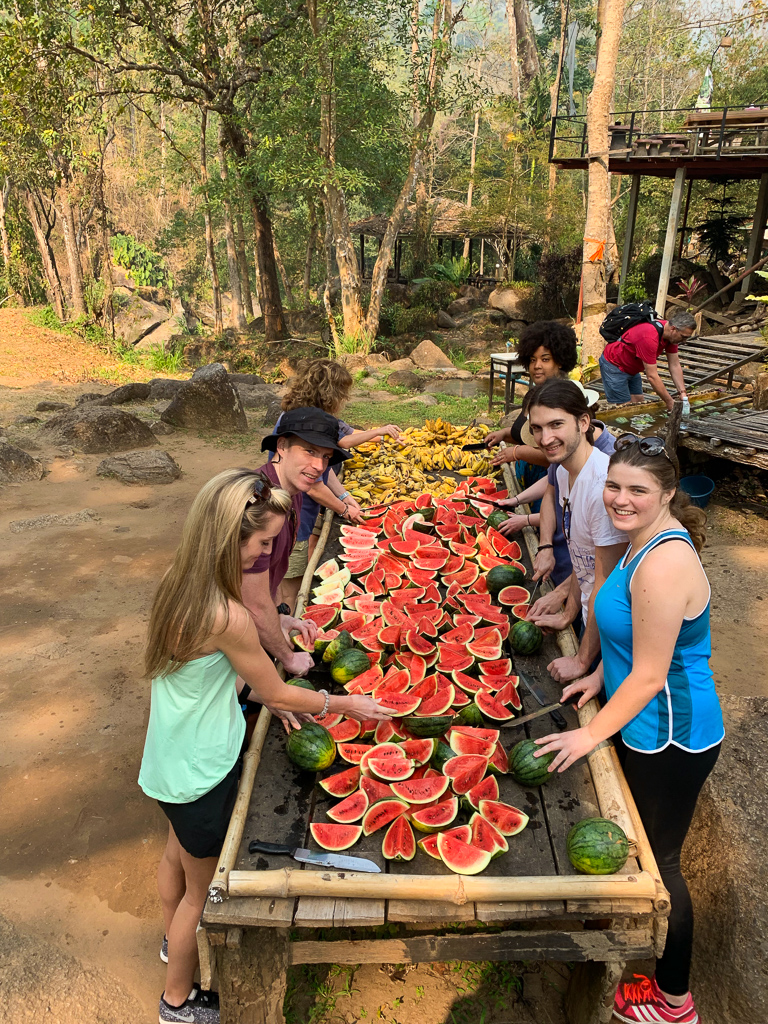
{"x":389,"y":470}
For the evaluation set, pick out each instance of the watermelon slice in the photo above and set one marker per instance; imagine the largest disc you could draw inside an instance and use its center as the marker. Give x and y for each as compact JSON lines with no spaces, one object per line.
{"x":382,"y":813}
{"x":358,"y":563}
{"x":509,"y":596}
{"x":462,"y":744}
{"x":399,"y":704}
{"x":464,"y":577}
{"x":385,"y":732}
{"x":461,"y":857}
{"x":491,"y":707}
{"x":437,"y":705}
{"x":350,"y":809}
{"x":397,"y":681}
{"x":429,"y":844}
{"x":391,"y":769}
{"x":488,"y":789}
{"x":345,"y":732}
{"x":485,"y":650}
{"x":471,"y":685}
{"x":507,"y":694}
{"x":419,"y":750}
{"x":353,"y":752}
{"x":486,"y":836}
{"x":399,"y":843}
{"x":499,"y":668}
{"x":323,"y":615}
{"x":459,"y":635}
{"x":374,"y":789}
{"x":335,"y":837}
{"x":381,"y":750}
{"x":472,"y":730}
{"x":453,"y":659}
{"x":507,"y":819}
{"x":465,"y":771}
{"x":420,"y":791}
{"x":431,"y":819}
{"x":499,"y":762}
{"x":426,"y":688}
{"x":342,"y":783}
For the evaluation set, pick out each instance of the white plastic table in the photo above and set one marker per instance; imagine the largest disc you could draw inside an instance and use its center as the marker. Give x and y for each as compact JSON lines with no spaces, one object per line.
{"x":506,"y":364}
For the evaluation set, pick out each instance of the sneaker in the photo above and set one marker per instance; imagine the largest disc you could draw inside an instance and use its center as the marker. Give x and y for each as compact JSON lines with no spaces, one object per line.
{"x":201,"y":1008}
{"x":641,"y":1002}
{"x":164,"y":950}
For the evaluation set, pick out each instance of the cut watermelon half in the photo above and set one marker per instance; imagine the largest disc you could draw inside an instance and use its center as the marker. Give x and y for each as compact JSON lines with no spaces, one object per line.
{"x":342,"y":783}
{"x":352,"y":808}
{"x":335,"y":837}
{"x":465,"y":771}
{"x":500,"y":667}
{"x":488,"y":789}
{"x":399,"y":704}
{"x":437,"y":705}
{"x":506,"y":818}
{"x":492,"y":708}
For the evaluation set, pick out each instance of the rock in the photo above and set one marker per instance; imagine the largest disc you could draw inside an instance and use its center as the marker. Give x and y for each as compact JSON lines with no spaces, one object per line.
{"x":515,"y":327}
{"x":287,"y":368}
{"x":96,"y":428}
{"x":160,"y":429}
{"x":421,"y":399}
{"x":457,"y":374}
{"x":255,"y":396}
{"x":16,"y":465}
{"x":25,"y":420}
{"x":51,"y":406}
{"x":468,"y":291}
{"x":127,"y":393}
{"x":397,"y":292}
{"x":88,"y":396}
{"x":353,"y":361}
{"x":208,"y":401}
{"x":375,"y":360}
{"x":163,"y":389}
{"x":510,"y":419}
{"x":445,"y":321}
{"x":88,"y":515}
{"x":760,"y":399}
{"x":167,"y":336}
{"x":139,"y":317}
{"x":160,"y":407}
{"x":463,"y":305}
{"x":482,"y":421}
{"x":271,"y":413}
{"x":253,"y":379}
{"x":406,"y":379}
{"x":141,"y":467}
{"x":401,"y":364}
{"x":726,"y":868}
{"x":427,"y":356}
{"x":500,"y":319}
{"x":511,"y":301}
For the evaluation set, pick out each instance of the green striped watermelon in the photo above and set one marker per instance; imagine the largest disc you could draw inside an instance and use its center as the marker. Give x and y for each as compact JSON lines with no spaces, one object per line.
{"x":597,"y":846}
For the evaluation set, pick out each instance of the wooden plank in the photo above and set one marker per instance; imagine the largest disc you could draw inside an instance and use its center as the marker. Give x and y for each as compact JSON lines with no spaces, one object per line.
{"x":609,"y":946}
{"x":250,"y":912}
{"x":592,"y":992}
{"x":529,"y":911}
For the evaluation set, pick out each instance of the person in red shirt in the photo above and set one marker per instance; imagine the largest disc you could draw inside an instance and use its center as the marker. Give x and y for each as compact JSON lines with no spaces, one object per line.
{"x":637,"y":351}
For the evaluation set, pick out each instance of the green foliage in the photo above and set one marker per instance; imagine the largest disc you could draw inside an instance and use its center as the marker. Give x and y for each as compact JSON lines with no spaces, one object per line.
{"x":433,"y":295}
{"x":454,"y":269}
{"x":759,"y":298}
{"x":147,"y":268}
{"x":397,"y":319}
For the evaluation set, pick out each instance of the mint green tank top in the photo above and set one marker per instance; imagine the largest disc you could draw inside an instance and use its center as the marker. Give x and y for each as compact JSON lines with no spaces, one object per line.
{"x":195,"y":730}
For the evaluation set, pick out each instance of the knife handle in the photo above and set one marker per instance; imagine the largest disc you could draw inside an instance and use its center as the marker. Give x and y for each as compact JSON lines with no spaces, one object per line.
{"x":256,"y":846}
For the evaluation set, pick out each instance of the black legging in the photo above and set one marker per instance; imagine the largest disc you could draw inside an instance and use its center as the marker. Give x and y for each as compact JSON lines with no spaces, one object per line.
{"x":665,"y":787}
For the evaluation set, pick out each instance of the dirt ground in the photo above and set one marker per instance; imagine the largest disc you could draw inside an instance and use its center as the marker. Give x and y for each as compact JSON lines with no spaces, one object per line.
{"x":79,"y":843}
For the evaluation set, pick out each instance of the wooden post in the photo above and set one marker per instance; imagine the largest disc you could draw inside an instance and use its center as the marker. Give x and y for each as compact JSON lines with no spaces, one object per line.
{"x":253,"y":977}
{"x":482,"y":256}
{"x":629,"y":236}
{"x":684,"y":225}
{"x":757,"y":236}
{"x":673,"y":425}
{"x":398,"y":258}
{"x":362,"y":255}
{"x":592,"y":992}
{"x":669,"y":242}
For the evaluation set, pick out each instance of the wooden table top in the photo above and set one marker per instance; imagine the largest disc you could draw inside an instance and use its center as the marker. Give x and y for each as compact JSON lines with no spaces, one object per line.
{"x":285,"y":800}
{"x":714,"y":117}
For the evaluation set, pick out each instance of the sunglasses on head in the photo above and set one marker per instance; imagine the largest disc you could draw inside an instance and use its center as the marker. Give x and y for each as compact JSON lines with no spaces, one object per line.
{"x":648,"y":445}
{"x":262,"y":490}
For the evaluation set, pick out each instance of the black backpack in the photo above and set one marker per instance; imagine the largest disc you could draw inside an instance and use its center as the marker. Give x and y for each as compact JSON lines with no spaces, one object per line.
{"x":631,"y":314}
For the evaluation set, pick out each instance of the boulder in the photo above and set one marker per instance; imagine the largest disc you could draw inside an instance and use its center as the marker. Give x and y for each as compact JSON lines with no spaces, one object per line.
{"x":88,"y":396}
{"x":140,"y":467}
{"x":445,"y":321}
{"x":401,"y":364}
{"x":252,"y":379}
{"x":208,"y":401}
{"x":166,"y":336}
{"x":469,"y":291}
{"x":24,"y":421}
{"x":726,"y":868}
{"x":271,"y":413}
{"x":427,"y":356}
{"x":139,"y":317}
{"x":96,"y":428}
{"x":163,"y":389}
{"x":255,"y":396}
{"x":51,"y":406}
{"x":375,"y":360}
{"x":353,"y":361}
{"x":127,"y":393}
{"x":421,"y":399}
{"x":462,"y":305}
{"x":397,"y":292}
{"x":160,"y":429}
{"x":16,"y":465}
{"x":406,"y":379}
{"x":511,"y":301}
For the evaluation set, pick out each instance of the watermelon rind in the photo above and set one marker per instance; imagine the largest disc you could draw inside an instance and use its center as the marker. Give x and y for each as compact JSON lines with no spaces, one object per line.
{"x":525,"y":637}
{"x":432,"y":819}
{"x":501,"y":576}
{"x":427,"y":728}
{"x":382,"y":813}
{"x":461,"y":857}
{"x":597,"y":846}
{"x":527,"y":769}
{"x":471,"y":715}
{"x":335,"y":836}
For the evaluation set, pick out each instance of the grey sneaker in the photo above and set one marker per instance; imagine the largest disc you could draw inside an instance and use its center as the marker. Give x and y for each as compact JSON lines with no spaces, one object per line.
{"x":201,"y":1008}
{"x":164,"y":950}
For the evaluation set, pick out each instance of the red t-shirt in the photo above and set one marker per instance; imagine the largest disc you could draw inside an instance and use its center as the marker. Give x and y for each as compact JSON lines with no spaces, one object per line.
{"x":638,"y":345}
{"x":276,"y":562}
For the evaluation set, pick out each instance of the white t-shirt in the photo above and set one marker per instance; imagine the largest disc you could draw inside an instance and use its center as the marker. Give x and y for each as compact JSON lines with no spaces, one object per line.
{"x":586,"y":523}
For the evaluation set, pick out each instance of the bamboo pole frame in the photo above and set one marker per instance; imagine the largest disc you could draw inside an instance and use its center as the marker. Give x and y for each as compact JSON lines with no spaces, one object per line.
{"x":458,"y":889}
{"x":613,"y":793}
{"x":219,"y":887}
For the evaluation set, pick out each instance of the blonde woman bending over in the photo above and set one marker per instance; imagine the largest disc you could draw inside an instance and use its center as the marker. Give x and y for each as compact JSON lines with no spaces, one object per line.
{"x":203,"y":649}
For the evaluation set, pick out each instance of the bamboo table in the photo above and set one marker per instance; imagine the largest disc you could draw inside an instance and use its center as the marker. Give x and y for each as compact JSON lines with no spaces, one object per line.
{"x":265,"y":914}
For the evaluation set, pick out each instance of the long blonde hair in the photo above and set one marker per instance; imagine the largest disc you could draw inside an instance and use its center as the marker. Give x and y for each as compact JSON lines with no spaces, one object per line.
{"x":207,"y":571}
{"x":321,"y":383}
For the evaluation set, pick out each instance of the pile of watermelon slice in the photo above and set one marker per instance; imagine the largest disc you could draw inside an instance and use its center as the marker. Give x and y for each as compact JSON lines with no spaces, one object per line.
{"x":417,"y":604}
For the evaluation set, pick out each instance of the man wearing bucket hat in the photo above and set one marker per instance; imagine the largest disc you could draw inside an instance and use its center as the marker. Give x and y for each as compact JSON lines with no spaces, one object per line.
{"x":304,"y":444}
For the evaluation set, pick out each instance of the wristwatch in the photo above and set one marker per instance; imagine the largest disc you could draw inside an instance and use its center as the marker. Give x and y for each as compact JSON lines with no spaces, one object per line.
{"x":283,"y":609}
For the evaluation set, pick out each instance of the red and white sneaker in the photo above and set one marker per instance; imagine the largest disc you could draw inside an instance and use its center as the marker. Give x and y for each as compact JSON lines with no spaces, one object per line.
{"x":641,"y":1002}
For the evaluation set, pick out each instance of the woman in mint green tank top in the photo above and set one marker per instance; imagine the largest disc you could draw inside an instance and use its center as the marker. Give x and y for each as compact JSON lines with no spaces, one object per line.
{"x":662,"y":710}
{"x":202,"y":650}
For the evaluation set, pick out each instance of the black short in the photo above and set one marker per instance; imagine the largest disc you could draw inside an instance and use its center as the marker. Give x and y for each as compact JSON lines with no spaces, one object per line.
{"x":201,"y":825}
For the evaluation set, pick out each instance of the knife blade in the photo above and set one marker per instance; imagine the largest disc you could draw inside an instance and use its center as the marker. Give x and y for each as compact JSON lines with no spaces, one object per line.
{"x":474,"y":447}
{"x":538,"y":694}
{"x":323,"y":860}
{"x":542,"y":711}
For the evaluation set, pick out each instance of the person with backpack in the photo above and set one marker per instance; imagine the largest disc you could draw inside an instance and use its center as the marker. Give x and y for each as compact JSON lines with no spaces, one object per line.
{"x":636,"y":337}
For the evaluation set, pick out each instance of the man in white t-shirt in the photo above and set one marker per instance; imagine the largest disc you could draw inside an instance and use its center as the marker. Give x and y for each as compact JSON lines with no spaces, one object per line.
{"x":561,"y":426}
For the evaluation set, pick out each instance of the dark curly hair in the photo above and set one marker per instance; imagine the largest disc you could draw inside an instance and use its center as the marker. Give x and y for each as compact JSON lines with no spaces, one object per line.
{"x":558,"y":338}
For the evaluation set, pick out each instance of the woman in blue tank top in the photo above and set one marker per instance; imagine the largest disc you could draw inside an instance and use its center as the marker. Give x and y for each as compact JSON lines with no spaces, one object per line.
{"x":662,"y":710}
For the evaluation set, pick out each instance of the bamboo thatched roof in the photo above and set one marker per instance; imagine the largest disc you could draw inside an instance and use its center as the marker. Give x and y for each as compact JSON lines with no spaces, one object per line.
{"x":447,"y":219}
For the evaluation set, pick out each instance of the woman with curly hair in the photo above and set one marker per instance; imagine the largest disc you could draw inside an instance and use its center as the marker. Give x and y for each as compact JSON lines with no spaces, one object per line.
{"x":547,"y":349}
{"x":324,"y":384}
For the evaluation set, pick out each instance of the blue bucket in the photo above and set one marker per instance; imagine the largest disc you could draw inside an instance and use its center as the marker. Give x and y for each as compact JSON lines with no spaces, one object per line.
{"x":698,"y":488}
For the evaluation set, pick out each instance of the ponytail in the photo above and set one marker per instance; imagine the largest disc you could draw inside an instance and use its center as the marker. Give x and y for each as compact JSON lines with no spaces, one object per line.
{"x":693,"y":519}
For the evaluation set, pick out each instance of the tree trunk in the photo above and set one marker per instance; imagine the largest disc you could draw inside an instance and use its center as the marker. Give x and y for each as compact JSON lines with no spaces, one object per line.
{"x":5,"y":191}
{"x":514,"y":60}
{"x":346,"y":261}
{"x":242,"y":262}
{"x":269,"y":290}
{"x":554,"y":97}
{"x":210,"y":250}
{"x":526,"y":43}
{"x":311,"y":245}
{"x":471,"y":186}
{"x":328,"y":247}
{"x":67,"y":217}
{"x":283,"y":274}
{"x":596,"y":229}
{"x":238,"y":314}
{"x":54,"y":289}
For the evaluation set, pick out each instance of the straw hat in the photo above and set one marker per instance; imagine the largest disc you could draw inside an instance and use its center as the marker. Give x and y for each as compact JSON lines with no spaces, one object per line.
{"x":591,"y":397}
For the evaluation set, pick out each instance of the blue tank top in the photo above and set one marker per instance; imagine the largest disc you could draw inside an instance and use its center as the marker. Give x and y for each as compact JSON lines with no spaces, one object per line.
{"x":686,"y":712}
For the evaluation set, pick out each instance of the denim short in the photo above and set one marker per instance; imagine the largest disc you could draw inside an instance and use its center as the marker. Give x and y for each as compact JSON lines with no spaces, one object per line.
{"x":619,"y":386}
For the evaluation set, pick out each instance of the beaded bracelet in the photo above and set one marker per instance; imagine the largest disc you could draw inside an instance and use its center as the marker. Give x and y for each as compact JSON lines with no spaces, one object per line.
{"x":327,"y":704}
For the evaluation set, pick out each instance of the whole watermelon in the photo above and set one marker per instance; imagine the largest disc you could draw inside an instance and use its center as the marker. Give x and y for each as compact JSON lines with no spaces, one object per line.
{"x":302,"y":683}
{"x":342,"y":642}
{"x":348,"y":664}
{"x":496,"y":519}
{"x":527,"y":769}
{"x":501,"y":576}
{"x":597,"y":846}
{"x":525,"y":637}
{"x":311,"y":747}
